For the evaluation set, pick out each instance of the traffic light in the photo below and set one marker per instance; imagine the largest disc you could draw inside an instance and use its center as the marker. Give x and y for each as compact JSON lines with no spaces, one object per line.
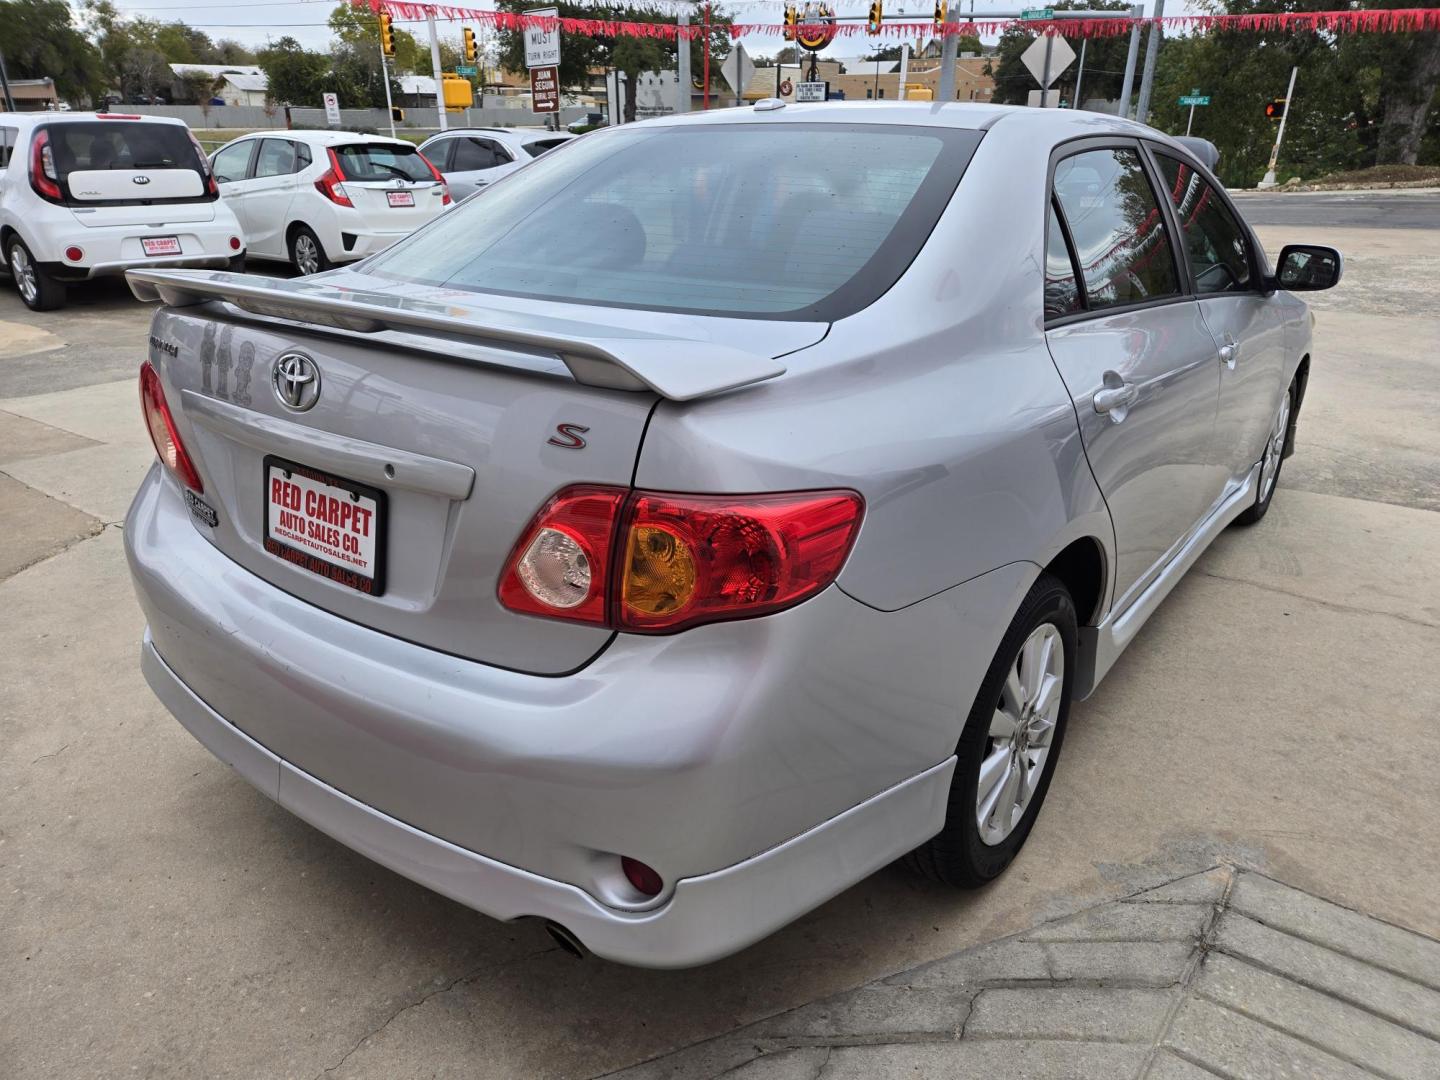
{"x":387,"y":36}
{"x":877,"y":16}
{"x":791,"y":18}
{"x":468,"y":37}
{"x":396,"y":113}
{"x":940,"y":12}
{"x":1275,"y":110}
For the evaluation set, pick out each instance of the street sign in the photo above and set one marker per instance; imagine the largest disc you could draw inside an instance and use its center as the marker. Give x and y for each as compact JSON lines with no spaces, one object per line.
{"x":1061,"y":57}
{"x":1033,"y":14}
{"x":542,"y":47}
{"x":738,"y":70}
{"x":332,"y":109}
{"x":466,"y":69}
{"x":1194,"y":99}
{"x":811,"y":91}
{"x":545,"y":89}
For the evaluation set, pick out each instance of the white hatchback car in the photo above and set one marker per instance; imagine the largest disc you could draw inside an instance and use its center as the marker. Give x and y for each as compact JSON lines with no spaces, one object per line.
{"x":472,"y":158}
{"x":88,"y":194}
{"x":316,"y":198}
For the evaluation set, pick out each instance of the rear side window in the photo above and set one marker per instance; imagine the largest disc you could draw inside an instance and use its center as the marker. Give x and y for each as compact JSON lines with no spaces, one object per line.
{"x":797,"y":221}
{"x":7,"y":145}
{"x":472,"y":154}
{"x":1215,"y":243}
{"x":539,"y":146}
{"x":1121,"y":244}
{"x":302,"y":157}
{"x":381,"y":161}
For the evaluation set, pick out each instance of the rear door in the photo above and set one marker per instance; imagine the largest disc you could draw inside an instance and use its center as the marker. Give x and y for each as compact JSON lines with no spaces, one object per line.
{"x":124,"y":171}
{"x":1247,"y":326}
{"x":476,"y":162}
{"x":390,"y":184}
{"x":269,"y":193}
{"x":1135,"y":353}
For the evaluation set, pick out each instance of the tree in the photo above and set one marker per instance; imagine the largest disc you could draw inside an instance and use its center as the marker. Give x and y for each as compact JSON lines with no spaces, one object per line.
{"x":296,"y":76}
{"x":359,"y":28}
{"x":1104,"y":61}
{"x":39,"y":39}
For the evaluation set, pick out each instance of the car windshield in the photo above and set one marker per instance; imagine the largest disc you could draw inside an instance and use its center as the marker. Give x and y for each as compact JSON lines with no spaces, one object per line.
{"x":807,"y":221}
{"x":382,"y":161}
{"x":84,"y":146}
{"x":539,"y":146}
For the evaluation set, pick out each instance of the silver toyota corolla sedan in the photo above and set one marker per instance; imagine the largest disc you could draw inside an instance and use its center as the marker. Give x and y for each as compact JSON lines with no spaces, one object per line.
{"x":660,"y":544}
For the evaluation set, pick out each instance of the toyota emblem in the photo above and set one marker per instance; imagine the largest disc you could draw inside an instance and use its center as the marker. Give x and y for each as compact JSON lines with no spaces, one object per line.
{"x":296,"y":380}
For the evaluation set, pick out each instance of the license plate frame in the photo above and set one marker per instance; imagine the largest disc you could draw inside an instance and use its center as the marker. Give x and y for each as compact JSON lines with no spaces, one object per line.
{"x":160,"y":245}
{"x":309,"y":559}
{"x":400,"y":199}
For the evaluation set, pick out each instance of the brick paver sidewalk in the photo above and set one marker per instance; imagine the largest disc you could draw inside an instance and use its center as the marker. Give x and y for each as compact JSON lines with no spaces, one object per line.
{"x":1226,"y":973}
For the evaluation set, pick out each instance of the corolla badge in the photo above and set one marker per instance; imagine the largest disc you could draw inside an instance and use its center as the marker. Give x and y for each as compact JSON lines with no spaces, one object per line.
{"x":296,"y":380}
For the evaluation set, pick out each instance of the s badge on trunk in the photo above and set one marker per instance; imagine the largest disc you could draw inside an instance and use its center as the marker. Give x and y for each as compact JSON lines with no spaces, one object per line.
{"x":569,"y":436}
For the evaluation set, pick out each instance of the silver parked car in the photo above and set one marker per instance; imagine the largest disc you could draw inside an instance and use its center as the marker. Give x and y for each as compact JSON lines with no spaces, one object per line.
{"x":661,"y":545}
{"x":473,"y":158}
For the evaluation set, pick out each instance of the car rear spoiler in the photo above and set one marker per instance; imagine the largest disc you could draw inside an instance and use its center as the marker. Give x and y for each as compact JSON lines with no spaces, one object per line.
{"x":679,"y":369}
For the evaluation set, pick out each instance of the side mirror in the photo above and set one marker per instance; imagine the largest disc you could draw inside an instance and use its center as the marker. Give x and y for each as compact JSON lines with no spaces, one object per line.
{"x":1308,"y":267}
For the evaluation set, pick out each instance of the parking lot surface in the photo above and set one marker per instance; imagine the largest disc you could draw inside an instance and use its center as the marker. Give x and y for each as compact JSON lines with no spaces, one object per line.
{"x":1275,"y":720}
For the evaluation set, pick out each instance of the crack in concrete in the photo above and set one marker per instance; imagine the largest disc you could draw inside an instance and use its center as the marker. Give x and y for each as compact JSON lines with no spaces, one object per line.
{"x":421,"y":1000}
{"x":46,"y":757}
{"x":1333,"y":605}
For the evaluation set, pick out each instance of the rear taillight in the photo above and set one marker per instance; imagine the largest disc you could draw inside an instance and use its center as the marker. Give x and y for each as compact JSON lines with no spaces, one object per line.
{"x":43,"y":177}
{"x":657,"y":563}
{"x":161,"y":425}
{"x":445,"y":188}
{"x":330,"y":185}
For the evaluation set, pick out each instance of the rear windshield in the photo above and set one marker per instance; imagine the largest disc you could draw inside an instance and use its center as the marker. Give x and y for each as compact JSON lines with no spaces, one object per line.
{"x":800,"y":221}
{"x":539,"y":146}
{"x":382,"y":161}
{"x":121,"y":144}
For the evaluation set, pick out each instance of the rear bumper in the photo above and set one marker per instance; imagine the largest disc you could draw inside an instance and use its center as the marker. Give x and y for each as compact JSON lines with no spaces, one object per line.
{"x":760,"y":766}
{"x":113,"y":249}
{"x":705,"y":918}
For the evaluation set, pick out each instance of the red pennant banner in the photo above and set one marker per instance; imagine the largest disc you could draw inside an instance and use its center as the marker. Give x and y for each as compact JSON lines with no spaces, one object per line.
{"x":1367,"y":21}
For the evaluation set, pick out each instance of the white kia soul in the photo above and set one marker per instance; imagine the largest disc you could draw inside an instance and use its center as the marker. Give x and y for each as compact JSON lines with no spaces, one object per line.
{"x":88,"y":194}
{"x":316,"y":198}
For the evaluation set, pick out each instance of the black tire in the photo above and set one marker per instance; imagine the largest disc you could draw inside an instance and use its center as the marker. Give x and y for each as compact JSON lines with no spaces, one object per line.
{"x":37,"y":289}
{"x":958,"y":855}
{"x":1275,"y":443}
{"x":236,"y":265}
{"x":300,"y":258}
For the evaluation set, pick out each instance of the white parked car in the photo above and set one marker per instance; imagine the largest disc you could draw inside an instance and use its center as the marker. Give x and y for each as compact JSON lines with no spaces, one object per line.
{"x":316,"y":198}
{"x":471,"y":158}
{"x":88,"y":194}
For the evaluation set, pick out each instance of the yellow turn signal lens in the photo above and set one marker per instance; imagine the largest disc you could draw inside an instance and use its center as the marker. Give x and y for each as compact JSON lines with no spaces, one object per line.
{"x":659,"y":571}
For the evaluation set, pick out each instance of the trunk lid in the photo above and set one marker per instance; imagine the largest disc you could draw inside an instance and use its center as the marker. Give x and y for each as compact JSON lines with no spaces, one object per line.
{"x":447,"y":437}
{"x":390,"y":183}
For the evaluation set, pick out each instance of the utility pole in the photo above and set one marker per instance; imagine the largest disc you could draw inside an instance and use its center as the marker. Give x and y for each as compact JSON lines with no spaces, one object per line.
{"x":904,"y":67}
{"x":1152,"y":53}
{"x":385,"y":76}
{"x":1045,"y":82}
{"x":682,"y":65}
{"x":5,"y":85}
{"x":949,"y":46}
{"x":435,"y":64}
{"x":1128,"y":85}
{"x":1270,"y":181}
{"x":1079,"y":74}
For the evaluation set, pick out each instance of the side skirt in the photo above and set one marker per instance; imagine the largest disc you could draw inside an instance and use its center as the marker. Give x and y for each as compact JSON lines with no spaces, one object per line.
{"x":1101,"y":646}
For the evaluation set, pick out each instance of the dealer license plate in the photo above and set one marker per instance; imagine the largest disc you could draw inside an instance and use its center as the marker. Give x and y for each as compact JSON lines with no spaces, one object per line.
{"x":160,"y":245}
{"x":326,"y":524}
{"x":400,"y":198}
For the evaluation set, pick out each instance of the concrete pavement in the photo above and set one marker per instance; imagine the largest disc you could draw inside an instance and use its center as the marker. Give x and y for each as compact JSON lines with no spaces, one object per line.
{"x":160,"y":918}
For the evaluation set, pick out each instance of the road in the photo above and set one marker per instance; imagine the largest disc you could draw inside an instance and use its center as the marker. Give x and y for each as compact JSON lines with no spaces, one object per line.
{"x":160,"y":918}
{"x":1418,"y":209}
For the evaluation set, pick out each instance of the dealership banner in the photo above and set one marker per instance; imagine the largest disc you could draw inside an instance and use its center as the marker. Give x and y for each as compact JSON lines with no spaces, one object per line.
{"x":1353,"y":21}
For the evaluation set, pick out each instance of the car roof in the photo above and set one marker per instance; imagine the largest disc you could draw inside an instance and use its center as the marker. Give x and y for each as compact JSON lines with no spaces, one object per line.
{"x":57,"y":117}
{"x":323,"y":137}
{"x":523,"y":134}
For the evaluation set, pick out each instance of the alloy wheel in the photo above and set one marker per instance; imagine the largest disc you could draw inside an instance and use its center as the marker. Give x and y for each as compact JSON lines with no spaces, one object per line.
{"x":1020,"y":734}
{"x":1274,"y":450}
{"x":23,"y":271}
{"x":307,"y":255}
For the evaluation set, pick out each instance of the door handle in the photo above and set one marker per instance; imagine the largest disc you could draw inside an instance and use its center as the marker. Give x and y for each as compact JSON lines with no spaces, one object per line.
{"x":1115,"y":399}
{"x":1229,"y":353}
